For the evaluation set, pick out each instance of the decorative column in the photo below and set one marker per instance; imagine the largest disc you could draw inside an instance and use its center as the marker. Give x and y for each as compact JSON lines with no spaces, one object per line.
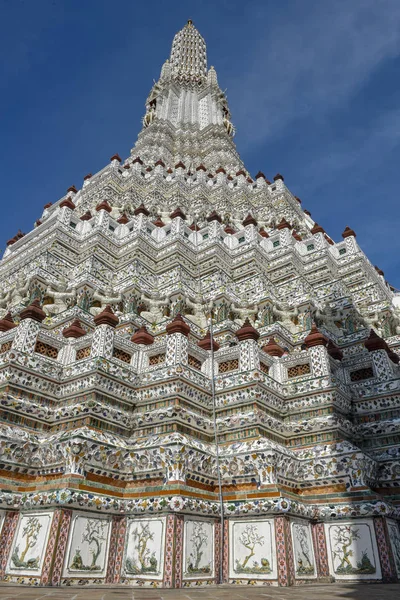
{"x":66,"y":208}
{"x":214,"y":224}
{"x":26,"y":334}
{"x":285,"y":237}
{"x":177,"y":342}
{"x":378,"y":349}
{"x":276,"y":371}
{"x":61,"y":547}
{"x":388,"y":565}
{"x":103,"y":336}
{"x":205,"y":344}
{"x":117,"y":546}
{"x":7,"y":536}
{"x":173,"y":552}
{"x":143,"y":338}
{"x":349,"y":237}
{"x":178,"y":219}
{"x":248,"y":348}
{"x":320,"y":549}
{"x":141,"y":213}
{"x":74,"y":331}
{"x":103,"y":210}
{"x":316,"y":344}
{"x":51,"y":546}
{"x":250,"y":228}
{"x":284,"y":551}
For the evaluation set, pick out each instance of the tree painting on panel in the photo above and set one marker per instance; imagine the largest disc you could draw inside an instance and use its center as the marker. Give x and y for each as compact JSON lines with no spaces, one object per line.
{"x":304,"y":560}
{"x":94,"y":534}
{"x":30,"y":535}
{"x":250,"y":539}
{"x":343,"y":539}
{"x":144,"y":561}
{"x":199,"y":540}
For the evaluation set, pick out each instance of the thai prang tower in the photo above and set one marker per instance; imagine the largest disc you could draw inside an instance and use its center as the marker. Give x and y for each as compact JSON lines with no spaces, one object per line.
{"x":197,"y":383}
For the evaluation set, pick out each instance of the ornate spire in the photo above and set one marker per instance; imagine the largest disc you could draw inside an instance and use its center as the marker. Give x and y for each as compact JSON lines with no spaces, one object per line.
{"x":188,"y":58}
{"x":186,"y":103}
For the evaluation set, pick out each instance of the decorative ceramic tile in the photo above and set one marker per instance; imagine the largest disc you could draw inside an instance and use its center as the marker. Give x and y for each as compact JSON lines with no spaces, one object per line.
{"x":28,"y":549}
{"x":352,"y":550}
{"x":61,"y":546}
{"x":87,"y":551}
{"x":252,"y":549}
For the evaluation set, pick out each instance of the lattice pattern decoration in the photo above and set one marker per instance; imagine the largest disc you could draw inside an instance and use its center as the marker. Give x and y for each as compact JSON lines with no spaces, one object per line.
{"x":46,"y":350}
{"x":264,"y":368}
{"x":228,"y":365}
{"x":156,"y":359}
{"x":194,"y":362}
{"x":299,"y":370}
{"x":121,"y":355}
{"x":5,"y":347}
{"x":361,"y":374}
{"x":83,"y":353}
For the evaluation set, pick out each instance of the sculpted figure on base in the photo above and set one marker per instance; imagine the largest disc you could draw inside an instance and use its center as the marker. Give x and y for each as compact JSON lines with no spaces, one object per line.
{"x":156,"y":304}
{"x":245,"y":311}
{"x":18,"y":293}
{"x":201,"y":310}
{"x":284,"y":314}
{"x":62,"y":298}
{"x":110,"y":297}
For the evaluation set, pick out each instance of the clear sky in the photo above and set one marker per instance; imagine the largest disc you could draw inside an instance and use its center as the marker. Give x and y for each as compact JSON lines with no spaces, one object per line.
{"x":313,"y":87}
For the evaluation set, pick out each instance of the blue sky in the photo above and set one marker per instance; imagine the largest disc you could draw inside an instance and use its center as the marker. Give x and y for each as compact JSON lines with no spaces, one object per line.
{"x":313,"y":88}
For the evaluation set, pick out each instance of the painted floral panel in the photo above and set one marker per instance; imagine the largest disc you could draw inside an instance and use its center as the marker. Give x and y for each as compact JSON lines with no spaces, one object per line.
{"x":353,"y":551}
{"x":144,"y":551}
{"x":88,"y":547}
{"x":30,"y":543}
{"x":303,"y":550}
{"x":199,"y":549}
{"x":252,"y":549}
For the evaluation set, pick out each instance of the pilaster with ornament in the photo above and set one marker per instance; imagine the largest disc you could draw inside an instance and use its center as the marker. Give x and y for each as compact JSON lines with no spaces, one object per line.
{"x":26,"y":333}
{"x":386,"y":558}
{"x":117,"y":546}
{"x":320,"y":549}
{"x":284,"y":552}
{"x":169,"y":558}
{"x":7,"y":536}
{"x":51,"y":546}
{"x":177,"y":342}
{"x":248,"y":348}
{"x":61,"y":547}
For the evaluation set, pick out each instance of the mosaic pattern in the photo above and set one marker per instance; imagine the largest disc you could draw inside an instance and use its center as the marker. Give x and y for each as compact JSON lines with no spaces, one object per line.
{"x":387,"y":566}
{"x":51,"y":544}
{"x":61,"y":547}
{"x":320,"y":549}
{"x":7,"y":532}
